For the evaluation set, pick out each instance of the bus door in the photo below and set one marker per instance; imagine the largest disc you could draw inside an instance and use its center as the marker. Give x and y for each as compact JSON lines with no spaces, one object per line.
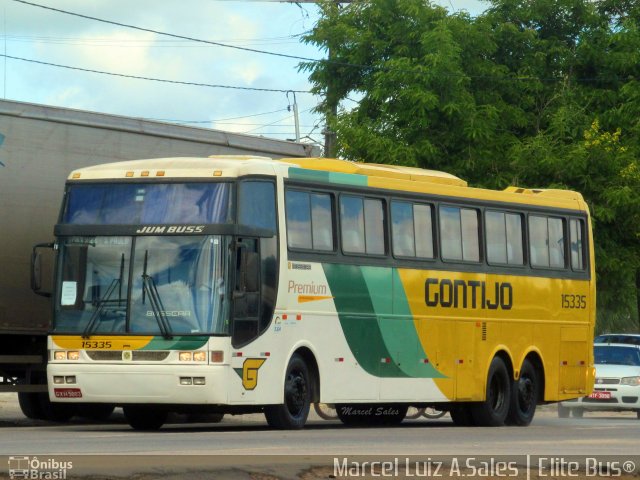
{"x":247,"y":303}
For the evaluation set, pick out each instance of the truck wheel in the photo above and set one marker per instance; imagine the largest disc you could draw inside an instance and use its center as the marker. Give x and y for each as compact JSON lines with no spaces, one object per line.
{"x":30,"y":405}
{"x":563,"y":412}
{"x":493,"y":411}
{"x":145,"y":417}
{"x":577,"y":412}
{"x":524,"y":396}
{"x":55,"y":412}
{"x":292,"y":414}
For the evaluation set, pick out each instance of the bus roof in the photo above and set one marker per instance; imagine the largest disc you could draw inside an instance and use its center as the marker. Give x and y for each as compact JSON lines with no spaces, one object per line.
{"x":327,"y":170}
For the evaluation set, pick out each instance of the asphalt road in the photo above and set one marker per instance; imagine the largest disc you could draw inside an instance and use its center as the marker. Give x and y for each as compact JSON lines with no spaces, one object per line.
{"x":246,"y":441}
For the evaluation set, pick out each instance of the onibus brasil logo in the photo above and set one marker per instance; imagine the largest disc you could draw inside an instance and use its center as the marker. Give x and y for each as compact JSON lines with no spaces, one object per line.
{"x":38,"y":468}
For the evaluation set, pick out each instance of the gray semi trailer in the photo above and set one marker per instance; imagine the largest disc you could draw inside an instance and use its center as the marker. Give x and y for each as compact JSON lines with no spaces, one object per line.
{"x":39,"y":146}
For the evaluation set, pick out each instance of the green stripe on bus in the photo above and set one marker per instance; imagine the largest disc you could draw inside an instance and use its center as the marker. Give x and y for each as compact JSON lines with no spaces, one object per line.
{"x":395,"y":321}
{"x":176,"y":343}
{"x":358,"y":319}
{"x":377,"y":322}
{"x":327,"y":177}
{"x":401,"y":337}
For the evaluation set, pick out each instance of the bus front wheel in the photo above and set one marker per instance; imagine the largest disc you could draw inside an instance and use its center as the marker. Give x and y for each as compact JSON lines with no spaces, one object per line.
{"x":495,"y":408}
{"x":293,"y":413}
{"x":145,"y":417}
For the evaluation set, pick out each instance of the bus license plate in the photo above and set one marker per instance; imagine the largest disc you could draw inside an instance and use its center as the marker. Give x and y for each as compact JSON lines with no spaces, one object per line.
{"x":67,"y":392}
{"x":600,"y":395}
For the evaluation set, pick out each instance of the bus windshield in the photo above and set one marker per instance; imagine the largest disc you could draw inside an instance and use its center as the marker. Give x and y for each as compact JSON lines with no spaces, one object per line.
{"x":147,"y":203}
{"x":145,"y":285}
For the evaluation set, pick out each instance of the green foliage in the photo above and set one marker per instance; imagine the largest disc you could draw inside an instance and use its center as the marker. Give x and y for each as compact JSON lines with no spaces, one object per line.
{"x":538,"y":93}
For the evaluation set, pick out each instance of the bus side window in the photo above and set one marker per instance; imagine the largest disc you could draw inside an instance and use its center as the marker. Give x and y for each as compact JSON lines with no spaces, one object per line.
{"x":576,"y":228}
{"x":309,"y":220}
{"x":504,"y":238}
{"x":459,"y":234}
{"x":412,"y":229}
{"x":257,"y":204}
{"x":547,"y":242}
{"x":352,"y":223}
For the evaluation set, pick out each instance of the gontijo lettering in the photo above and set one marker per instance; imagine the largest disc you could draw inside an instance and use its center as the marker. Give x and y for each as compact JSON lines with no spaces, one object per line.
{"x":470,"y":294}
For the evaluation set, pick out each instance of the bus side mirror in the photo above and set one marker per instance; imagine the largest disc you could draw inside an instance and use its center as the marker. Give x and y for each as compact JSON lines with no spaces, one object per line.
{"x":36,"y":268}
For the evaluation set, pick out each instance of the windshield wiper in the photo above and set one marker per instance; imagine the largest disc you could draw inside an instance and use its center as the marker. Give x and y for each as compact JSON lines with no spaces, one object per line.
{"x":102,"y":302}
{"x":149,"y":288}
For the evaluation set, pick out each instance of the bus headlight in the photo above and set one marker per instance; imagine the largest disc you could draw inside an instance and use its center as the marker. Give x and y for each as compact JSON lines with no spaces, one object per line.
{"x":199,"y":356}
{"x":185,"y":356}
{"x":64,"y":355}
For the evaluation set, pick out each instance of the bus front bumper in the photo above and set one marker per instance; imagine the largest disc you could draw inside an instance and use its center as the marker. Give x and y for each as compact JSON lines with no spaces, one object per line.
{"x":125,"y":384}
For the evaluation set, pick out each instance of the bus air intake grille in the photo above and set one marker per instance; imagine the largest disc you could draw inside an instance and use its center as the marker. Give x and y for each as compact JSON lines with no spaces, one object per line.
{"x":150,"y":356}
{"x":136,"y":355}
{"x":104,"y":356}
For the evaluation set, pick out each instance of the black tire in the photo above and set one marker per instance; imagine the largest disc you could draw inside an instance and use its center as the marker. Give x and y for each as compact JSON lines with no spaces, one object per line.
{"x":577,"y":412}
{"x":461,"y":415}
{"x":55,"y":412}
{"x":99,"y":412}
{"x":493,"y":411}
{"x":563,"y":412}
{"x":145,"y":417}
{"x":524,"y":396}
{"x":293,"y":413}
{"x":30,"y":405}
{"x":638,"y":414}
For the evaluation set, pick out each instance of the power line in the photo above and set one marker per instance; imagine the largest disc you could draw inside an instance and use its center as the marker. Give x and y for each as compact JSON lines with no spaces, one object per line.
{"x":161,"y":80}
{"x":172,"y":35}
{"x":214,"y":120}
{"x":137,"y":43}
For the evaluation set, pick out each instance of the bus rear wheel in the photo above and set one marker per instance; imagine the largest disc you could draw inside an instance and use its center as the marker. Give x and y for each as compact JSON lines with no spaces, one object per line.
{"x":145,"y":417}
{"x":293,"y":413}
{"x":524,"y":396}
{"x":493,"y":411}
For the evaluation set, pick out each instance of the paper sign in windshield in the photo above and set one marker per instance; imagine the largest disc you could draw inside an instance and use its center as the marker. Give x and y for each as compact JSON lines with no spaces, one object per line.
{"x":68,"y":296}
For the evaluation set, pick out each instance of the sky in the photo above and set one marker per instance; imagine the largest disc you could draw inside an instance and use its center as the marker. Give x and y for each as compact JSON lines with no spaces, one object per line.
{"x":33,"y":33}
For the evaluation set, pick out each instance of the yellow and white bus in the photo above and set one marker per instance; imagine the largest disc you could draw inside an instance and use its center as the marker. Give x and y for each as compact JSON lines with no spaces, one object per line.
{"x":246,"y":284}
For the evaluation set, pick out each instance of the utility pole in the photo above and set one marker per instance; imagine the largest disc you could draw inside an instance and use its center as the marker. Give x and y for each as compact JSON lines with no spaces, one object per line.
{"x":296,"y":117}
{"x":331,"y":112}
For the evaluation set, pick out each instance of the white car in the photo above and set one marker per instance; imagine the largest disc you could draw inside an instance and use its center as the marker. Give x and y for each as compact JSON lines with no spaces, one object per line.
{"x":617,"y":386}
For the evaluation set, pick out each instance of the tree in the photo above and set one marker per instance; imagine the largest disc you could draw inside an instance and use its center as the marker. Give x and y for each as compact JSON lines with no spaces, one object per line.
{"x":537,"y":93}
